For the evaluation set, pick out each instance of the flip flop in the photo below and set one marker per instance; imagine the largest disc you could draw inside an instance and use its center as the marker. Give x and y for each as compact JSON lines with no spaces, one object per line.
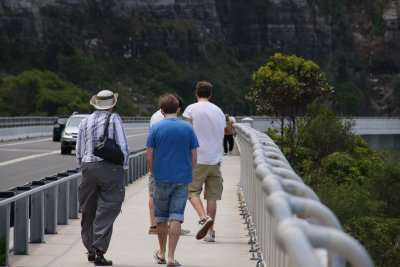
{"x":157,"y":258}
{"x":174,"y":264}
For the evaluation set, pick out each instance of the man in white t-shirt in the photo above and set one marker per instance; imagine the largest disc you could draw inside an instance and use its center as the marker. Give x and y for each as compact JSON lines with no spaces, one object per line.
{"x":156,"y":117}
{"x":208,"y":122}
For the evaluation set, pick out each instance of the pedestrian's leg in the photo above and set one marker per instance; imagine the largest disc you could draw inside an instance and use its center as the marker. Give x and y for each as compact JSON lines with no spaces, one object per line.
{"x":87,"y":229}
{"x":198,"y":206}
{"x":231,"y":142}
{"x":103,"y":228}
{"x":109,"y":204}
{"x":195,"y":188}
{"x":151,"y":209}
{"x":225,"y":144}
{"x":162,"y":232}
{"x":87,"y":195}
{"x":151,"y":205}
{"x":212,"y":210}
{"x":174,"y":233}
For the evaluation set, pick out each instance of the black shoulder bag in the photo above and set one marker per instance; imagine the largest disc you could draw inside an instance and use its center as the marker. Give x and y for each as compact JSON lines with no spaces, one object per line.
{"x":107,"y":148}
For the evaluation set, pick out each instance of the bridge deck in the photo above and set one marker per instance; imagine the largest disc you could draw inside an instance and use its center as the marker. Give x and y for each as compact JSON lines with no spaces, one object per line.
{"x":131,"y":245}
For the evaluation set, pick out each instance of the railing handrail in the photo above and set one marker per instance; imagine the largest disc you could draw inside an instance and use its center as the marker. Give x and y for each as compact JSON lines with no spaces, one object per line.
{"x":263,"y":177}
{"x":12,"y":122}
{"x":62,"y":193}
{"x":36,"y":189}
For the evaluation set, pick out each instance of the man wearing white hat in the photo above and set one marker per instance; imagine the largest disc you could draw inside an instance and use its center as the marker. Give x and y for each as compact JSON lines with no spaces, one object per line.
{"x":102,"y":189}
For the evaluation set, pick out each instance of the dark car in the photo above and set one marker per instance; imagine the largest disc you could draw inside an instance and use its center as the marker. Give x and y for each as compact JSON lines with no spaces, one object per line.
{"x":58,"y":127}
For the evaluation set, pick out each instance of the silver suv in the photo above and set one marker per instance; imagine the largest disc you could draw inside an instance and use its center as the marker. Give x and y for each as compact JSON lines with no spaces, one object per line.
{"x":70,"y":133}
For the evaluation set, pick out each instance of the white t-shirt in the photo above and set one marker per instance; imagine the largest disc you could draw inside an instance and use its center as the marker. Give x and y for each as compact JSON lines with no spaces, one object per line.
{"x":208,"y":123}
{"x":156,"y":117}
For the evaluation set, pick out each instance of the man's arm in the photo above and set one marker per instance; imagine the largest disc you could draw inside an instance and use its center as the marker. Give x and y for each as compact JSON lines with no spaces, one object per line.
{"x":193,"y":153}
{"x":149,"y":158}
{"x":188,"y":120}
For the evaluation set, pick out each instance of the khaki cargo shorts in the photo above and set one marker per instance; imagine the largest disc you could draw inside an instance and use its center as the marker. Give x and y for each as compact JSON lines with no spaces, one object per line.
{"x":210,"y":176}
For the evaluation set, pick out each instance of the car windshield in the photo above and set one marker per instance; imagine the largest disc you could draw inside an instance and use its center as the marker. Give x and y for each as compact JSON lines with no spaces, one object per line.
{"x":62,"y":120}
{"x":74,"y":122}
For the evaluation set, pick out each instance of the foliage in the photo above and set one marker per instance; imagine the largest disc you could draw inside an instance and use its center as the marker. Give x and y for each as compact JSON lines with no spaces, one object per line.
{"x":79,"y":69}
{"x":40,"y":92}
{"x":349,"y":200}
{"x":380,"y":236}
{"x":349,"y":99}
{"x":284,"y":87}
{"x":385,"y":179}
{"x":360,"y":185}
{"x":323,"y":132}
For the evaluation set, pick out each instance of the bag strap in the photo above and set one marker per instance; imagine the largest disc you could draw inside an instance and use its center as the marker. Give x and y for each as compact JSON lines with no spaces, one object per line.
{"x":105,"y":134}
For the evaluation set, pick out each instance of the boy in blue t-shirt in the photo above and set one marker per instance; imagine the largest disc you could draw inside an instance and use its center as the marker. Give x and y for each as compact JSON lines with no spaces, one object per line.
{"x":172,"y":156}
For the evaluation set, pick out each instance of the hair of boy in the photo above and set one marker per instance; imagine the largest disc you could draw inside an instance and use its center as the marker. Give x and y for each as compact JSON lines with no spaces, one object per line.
{"x":204,"y":89}
{"x":169,"y":104}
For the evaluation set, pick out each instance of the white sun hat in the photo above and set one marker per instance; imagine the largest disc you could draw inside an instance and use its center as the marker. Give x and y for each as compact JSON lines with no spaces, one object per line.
{"x":104,"y":99}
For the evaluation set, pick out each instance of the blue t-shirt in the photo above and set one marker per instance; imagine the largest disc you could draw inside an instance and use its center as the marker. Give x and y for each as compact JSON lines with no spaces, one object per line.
{"x":172,"y":140}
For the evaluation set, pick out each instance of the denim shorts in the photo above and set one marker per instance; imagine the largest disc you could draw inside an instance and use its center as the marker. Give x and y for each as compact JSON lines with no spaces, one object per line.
{"x":169,"y":201}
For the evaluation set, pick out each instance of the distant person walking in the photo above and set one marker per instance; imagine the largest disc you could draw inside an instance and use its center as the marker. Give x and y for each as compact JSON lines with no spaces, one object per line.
{"x":156,"y":117}
{"x":208,"y":122}
{"x":229,"y":132}
{"x":102,"y":189}
{"x":171,"y":155}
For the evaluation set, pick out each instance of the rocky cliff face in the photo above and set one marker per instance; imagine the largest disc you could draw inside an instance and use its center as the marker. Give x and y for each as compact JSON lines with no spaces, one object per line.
{"x":191,"y":29}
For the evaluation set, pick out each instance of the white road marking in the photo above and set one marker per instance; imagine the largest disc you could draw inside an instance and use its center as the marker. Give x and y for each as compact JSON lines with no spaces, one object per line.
{"x":42,"y":154}
{"x":133,"y":135}
{"x":25,"y":150}
{"x":28,"y":157}
{"x":25,"y":142}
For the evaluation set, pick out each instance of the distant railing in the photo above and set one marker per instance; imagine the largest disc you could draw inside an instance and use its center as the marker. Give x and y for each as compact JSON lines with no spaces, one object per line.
{"x":15,"y":128}
{"x":287,"y":224}
{"x":12,"y":122}
{"x":36,"y":209}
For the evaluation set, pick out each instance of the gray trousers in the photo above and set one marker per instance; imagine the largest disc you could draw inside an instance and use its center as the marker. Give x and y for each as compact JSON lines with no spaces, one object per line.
{"x":101,"y":193}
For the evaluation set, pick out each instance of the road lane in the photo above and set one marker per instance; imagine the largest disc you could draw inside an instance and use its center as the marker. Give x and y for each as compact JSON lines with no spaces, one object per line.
{"x":28,"y":160}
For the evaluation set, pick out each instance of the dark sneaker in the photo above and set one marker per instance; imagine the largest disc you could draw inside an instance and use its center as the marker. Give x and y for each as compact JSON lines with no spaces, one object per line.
{"x":204,"y":225}
{"x":99,"y":260}
{"x":90,"y":256}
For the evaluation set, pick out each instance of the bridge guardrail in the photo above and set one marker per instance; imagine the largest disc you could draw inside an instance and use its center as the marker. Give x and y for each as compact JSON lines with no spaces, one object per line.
{"x":15,"y":128}
{"x":36,"y":209}
{"x":285,"y":218}
{"x":12,"y":122}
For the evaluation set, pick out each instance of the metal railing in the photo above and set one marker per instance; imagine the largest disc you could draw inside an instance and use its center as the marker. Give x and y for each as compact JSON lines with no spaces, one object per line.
{"x":15,"y":128}
{"x":36,"y":209}
{"x":287,"y":224}
{"x":12,"y":122}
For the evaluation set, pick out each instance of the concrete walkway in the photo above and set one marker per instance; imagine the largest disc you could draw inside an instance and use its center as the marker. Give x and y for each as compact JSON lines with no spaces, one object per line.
{"x":131,"y":245}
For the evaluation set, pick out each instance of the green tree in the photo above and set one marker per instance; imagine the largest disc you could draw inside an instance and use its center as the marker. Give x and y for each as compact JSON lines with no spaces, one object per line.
{"x":380,"y":236}
{"x":40,"y":92}
{"x":349,"y":99}
{"x":323,"y":132}
{"x":284,"y":87}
